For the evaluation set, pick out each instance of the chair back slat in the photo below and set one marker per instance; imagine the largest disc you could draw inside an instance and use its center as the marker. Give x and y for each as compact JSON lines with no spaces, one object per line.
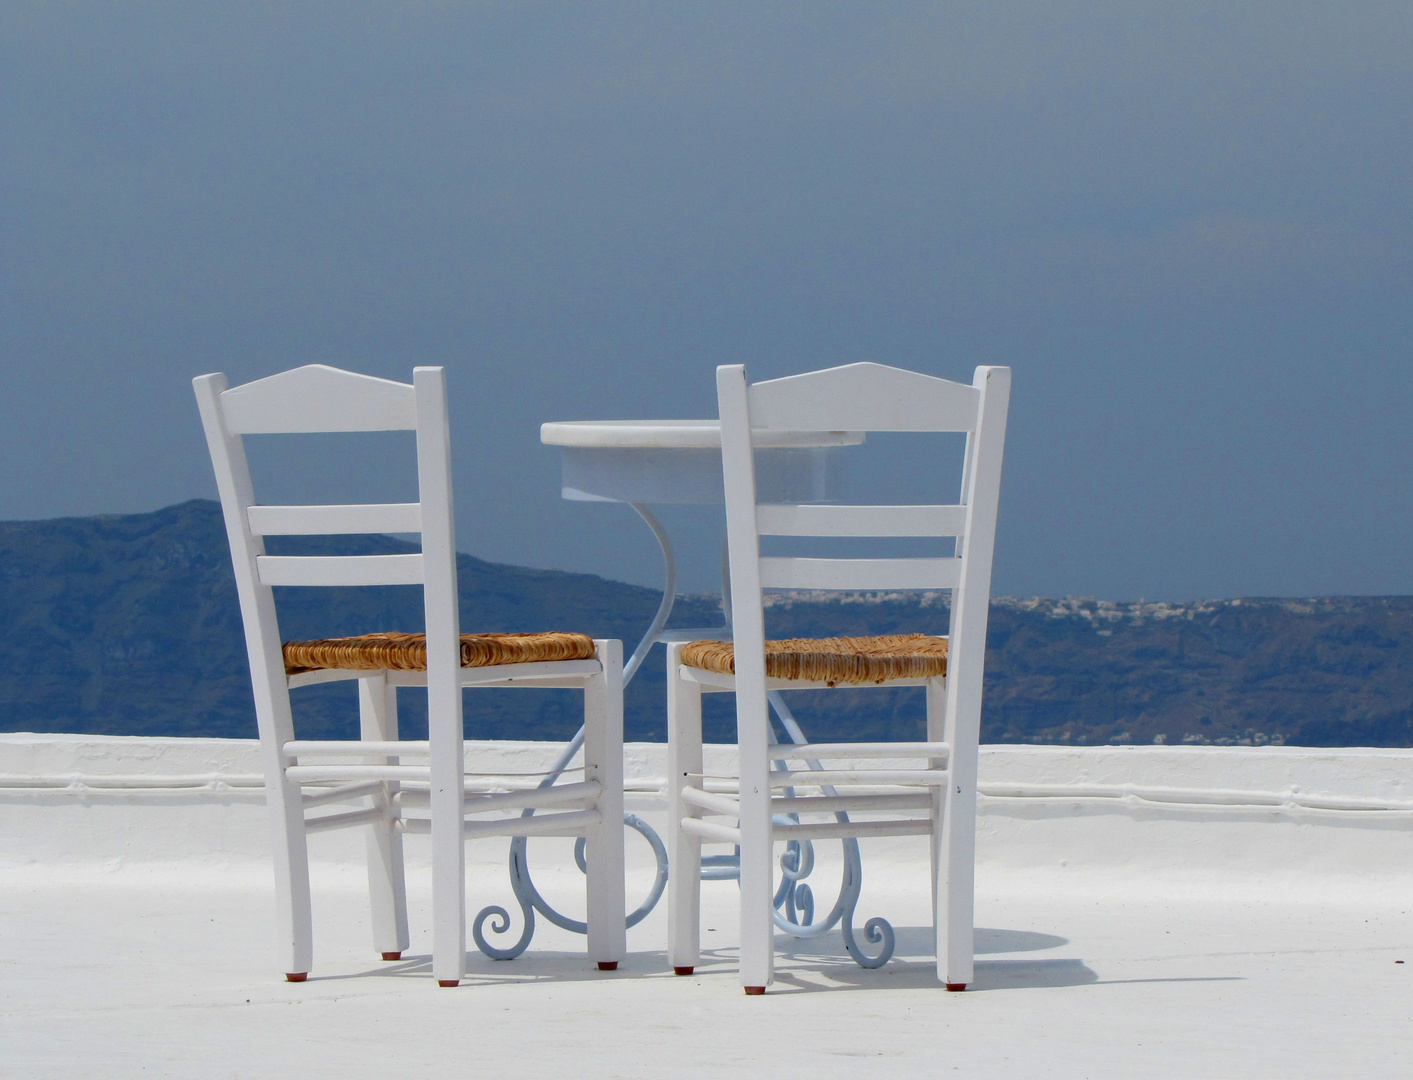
{"x":859,"y":575}
{"x":863,"y":397}
{"x":319,"y":398}
{"x":776,"y":519}
{"x":335,"y":520}
{"x":340,"y":569}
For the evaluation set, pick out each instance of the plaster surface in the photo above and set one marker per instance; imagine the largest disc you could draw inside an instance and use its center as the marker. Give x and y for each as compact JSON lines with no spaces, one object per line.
{"x":1117,"y":937}
{"x":131,"y":980}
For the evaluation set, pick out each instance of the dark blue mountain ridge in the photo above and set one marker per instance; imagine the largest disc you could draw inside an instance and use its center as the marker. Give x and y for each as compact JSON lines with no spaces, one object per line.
{"x":128,"y":624}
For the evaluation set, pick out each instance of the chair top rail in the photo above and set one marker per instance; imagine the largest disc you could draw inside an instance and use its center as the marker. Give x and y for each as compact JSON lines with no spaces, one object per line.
{"x":340,"y":569}
{"x":864,"y":397}
{"x":319,"y":398}
{"x":859,"y":574}
{"x":335,"y":520}
{"x":780,"y":519}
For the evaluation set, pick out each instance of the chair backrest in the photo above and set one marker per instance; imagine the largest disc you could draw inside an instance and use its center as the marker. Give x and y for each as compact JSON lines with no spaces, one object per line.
{"x":318,"y":398}
{"x":866,"y":397}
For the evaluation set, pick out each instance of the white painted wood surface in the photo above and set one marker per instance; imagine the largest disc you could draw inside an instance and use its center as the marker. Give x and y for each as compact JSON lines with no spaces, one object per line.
{"x":805,"y":520}
{"x":318,"y":398}
{"x":858,"y":575}
{"x":335,"y":519}
{"x":753,"y":736}
{"x":603,"y":765}
{"x":387,"y":889}
{"x":684,"y":848}
{"x":857,"y":397}
{"x":326,"y":570}
{"x":863,"y":397}
{"x":711,"y":802}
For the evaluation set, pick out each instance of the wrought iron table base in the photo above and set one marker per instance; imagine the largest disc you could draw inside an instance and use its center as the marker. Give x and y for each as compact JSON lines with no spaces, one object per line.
{"x":793,"y":900}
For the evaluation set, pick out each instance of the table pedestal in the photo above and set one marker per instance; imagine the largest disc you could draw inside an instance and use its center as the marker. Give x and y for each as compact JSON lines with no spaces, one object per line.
{"x":641,"y":462}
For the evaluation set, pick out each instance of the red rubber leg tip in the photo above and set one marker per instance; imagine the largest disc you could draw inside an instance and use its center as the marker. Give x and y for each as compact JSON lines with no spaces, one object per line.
{"x":755,"y":991}
{"x":956,"y":987}
{"x":296,"y":976}
{"x":392,"y":956}
{"x":448,"y":982}
{"x":683,"y":970}
{"x":608,"y":965}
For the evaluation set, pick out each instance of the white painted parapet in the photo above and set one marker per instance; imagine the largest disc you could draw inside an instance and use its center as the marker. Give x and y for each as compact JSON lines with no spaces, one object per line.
{"x":1140,"y":819}
{"x":1253,"y":822}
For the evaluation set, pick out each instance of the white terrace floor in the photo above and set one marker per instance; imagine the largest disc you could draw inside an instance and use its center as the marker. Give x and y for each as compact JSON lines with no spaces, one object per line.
{"x":1144,"y":912}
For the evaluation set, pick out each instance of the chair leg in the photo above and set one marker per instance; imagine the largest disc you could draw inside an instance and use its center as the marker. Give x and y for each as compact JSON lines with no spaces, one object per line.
{"x":448,"y":802}
{"x":956,"y":887}
{"x":939,"y":882}
{"x":954,"y":841}
{"x":387,"y":888}
{"x":294,"y":913}
{"x":603,"y":761}
{"x":757,"y":870}
{"x":684,"y":851}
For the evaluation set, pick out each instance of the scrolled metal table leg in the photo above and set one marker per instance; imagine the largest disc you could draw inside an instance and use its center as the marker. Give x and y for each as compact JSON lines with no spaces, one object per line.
{"x":526,"y":894}
{"x":877,"y":931}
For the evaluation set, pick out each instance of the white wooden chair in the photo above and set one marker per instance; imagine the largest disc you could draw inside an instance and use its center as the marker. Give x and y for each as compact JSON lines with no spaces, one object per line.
{"x":374,"y":771}
{"x":761,"y":809}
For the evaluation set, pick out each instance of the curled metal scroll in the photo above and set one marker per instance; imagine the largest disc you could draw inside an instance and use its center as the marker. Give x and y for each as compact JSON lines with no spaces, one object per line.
{"x":793,"y":903}
{"x":526,"y":895}
{"x":794,"y":895}
{"x":530,"y":900}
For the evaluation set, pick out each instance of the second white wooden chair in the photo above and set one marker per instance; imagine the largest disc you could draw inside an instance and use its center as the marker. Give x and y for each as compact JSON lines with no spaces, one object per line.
{"x":384,"y":775}
{"x":760,"y":808}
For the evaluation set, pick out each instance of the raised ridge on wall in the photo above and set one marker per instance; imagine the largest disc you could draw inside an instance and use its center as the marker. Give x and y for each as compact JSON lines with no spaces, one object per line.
{"x":1335,"y":823}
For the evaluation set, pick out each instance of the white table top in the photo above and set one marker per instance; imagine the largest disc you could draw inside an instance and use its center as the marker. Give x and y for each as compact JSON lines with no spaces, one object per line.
{"x":675,"y":435}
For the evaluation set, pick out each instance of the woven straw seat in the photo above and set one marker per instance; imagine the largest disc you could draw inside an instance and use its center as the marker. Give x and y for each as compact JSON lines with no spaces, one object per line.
{"x":408,"y":652}
{"x":849,"y":660}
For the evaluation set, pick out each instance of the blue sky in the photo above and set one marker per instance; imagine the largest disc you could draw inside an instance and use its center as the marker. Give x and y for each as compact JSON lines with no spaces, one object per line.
{"x":1186,"y":227}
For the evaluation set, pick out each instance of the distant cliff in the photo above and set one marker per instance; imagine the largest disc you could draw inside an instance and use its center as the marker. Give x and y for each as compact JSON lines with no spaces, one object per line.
{"x":129,"y":625}
{"x":1331,"y":671}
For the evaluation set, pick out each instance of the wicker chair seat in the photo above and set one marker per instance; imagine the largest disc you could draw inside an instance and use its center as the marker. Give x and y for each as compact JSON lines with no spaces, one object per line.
{"x":850,"y":660}
{"x":408,"y":652}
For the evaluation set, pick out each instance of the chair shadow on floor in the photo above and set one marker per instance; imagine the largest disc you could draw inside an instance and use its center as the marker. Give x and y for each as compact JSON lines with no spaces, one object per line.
{"x":533,"y":966}
{"x":821,"y":964}
{"x":803,"y":966}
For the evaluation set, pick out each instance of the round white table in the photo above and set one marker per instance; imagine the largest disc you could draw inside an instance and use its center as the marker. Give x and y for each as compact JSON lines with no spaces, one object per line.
{"x":641,"y":462}
{"x":679,"y":461}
